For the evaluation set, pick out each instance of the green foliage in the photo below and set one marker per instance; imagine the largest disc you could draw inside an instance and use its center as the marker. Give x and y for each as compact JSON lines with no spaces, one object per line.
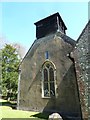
{"x":10,"y":64}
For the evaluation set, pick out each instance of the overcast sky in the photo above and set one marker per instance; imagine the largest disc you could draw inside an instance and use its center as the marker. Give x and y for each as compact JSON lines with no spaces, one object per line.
{"x":18,"y":19}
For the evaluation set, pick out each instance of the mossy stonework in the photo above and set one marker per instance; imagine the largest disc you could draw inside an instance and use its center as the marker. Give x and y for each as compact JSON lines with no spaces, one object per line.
{"x":82,"y":63}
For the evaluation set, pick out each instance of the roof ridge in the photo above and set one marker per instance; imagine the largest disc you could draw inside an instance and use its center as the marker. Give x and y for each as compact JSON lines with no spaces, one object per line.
{"x":83,"y":30}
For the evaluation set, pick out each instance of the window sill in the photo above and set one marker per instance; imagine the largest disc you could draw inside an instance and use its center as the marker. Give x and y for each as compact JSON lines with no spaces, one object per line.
{"x":46,"y":97}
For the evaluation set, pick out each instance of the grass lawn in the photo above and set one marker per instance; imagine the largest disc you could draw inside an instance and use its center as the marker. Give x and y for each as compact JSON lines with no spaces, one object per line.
{"x":6,"y":111}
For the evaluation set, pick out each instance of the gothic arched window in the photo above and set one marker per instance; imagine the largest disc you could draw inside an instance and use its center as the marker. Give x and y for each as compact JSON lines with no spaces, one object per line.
{"x":48,"y":79}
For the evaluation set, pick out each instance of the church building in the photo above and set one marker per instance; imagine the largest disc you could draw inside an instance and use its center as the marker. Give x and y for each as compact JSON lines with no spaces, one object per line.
{"x":48,"y":79}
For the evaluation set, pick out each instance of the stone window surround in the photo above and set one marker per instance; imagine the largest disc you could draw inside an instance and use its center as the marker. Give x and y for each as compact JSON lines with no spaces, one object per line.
{"x":52,"y":65}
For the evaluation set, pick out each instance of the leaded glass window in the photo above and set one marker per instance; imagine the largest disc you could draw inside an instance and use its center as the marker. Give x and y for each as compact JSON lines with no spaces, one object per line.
{"x":48,"y":81}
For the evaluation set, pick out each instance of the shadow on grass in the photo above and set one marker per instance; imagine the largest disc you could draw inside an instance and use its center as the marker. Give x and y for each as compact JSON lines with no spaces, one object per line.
{"x":10,"y":104}
{"x":43,"y":116}
{"x":22,"y":119}
{"x":39,"y":116}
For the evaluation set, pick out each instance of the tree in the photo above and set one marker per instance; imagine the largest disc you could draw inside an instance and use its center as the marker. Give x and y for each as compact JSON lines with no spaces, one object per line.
{"x":10,"y":64}
{"x":21,"y":50}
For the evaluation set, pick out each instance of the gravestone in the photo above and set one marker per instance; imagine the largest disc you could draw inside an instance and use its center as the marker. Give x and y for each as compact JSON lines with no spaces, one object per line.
{"x":55,"y":116}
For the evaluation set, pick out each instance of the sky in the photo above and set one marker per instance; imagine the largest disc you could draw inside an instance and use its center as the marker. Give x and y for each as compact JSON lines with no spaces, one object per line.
{"x":18,"y":19}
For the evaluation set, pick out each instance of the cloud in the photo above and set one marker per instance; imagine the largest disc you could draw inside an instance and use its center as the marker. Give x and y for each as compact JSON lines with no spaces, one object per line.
{"x":3,"y":41}
{"x":20,"y":49}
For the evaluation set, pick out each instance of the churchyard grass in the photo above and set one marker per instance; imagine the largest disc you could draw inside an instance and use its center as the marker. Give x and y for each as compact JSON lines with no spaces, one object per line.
{"x":6,"y":111}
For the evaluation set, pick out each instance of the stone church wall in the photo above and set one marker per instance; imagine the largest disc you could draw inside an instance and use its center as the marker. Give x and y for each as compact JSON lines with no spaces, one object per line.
{"x":30,"y":98}
{"x":82,"y":63}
